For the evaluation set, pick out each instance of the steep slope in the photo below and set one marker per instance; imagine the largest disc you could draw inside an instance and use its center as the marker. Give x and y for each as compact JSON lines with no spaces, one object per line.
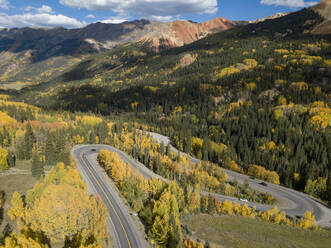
{"x":324,"y":9}
{"x":275,"y":16}
{"x":46,"y":43}
{"x":33,"y":55}
{"x":179,"y":33}
{"x":261,"y":93}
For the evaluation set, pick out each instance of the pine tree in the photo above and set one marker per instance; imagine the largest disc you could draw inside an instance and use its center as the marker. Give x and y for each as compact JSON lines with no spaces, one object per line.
{"x":103,"y":131}
{"x":50,"y":149}
{"x":37,"y":168}
{"x":176,"y":236}
{"x":162,"y":148}
{"x":11,"y":159}
{"x":328,"y":184}
{"x":92,"y":137}
{"x":168,"y":150}
{"x":29,"y":140}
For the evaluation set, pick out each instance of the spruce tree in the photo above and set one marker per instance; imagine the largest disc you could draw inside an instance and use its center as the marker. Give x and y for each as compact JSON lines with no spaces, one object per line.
{"x":168,"y":150}
{"x":328,"y":190}
{"x":176,"y":237}
{"x":11,"y":159}
{"x":29,"y":140}
{"x":37,"y":168}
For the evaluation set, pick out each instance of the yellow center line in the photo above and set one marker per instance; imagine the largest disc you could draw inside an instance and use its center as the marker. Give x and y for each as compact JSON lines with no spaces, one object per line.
{"x":108,"y":200}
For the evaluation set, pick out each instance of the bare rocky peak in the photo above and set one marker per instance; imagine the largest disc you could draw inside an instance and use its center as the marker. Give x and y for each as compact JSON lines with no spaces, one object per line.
{"x":324,"y":9}
{"x":275,"y":16}
{"x":98,"y":36}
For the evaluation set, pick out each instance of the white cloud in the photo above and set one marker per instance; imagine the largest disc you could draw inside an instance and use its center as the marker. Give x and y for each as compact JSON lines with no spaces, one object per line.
{"x":147,"y":8}
{"x":4,"y":4}
{"x":289,"y":3}
{"x":114,"y":20}
{"x":162,"y":18}
{"x":38,"y":20}
{"x":90,"y":16}
{"x":42,"y":10}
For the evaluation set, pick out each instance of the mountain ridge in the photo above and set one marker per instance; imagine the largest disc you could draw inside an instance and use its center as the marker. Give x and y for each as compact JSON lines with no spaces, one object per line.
{"x":101,"y":36}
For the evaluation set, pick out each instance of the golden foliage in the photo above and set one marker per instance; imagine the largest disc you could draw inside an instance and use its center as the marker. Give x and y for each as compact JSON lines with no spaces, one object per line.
{"x":230,"y":164}
{"x":278,"y":113}
{"x":152,"y":88}
{"x":3,"y":159}
{"x":282,"y":51}
{"x":196,"y":144}
{"x":64,"y":211}
{"x":269,"y":146}
{"x":251,"y":86}
{"x":308,"y":221}
{"x":228,"y":72}
{"x":251,"y":63}
{"x":21,"y":241}
{"x":282,"y":100}
{"x":60,"y":207}
{"x":262,"y":173}
{"x":19,"y":105}
{"x":301,"y":86}
{"x":89,"y":120}
{"x":321,"y":115}
{"x":7,"y":121}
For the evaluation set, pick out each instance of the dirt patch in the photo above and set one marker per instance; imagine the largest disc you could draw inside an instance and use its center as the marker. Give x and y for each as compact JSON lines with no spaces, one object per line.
{"x":17,"y":179}
{"x":188,"y":59}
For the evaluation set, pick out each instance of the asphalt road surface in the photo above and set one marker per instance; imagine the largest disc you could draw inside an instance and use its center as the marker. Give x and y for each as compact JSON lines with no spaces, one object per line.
{"x":294,"y":203}
{"x":121,"y":226}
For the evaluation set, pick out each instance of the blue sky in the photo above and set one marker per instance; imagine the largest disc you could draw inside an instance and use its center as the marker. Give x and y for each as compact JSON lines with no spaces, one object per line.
{"x":77,"y":13}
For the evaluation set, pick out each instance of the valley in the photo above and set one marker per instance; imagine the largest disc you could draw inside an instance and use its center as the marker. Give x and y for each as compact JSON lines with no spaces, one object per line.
{"x":174,"y":133}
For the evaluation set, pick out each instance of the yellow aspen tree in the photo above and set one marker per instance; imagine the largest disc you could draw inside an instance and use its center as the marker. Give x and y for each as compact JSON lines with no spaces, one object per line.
{"x":17,"y":211}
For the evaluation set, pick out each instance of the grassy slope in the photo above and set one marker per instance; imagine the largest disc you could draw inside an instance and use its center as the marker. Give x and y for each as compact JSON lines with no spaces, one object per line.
{"x":239,"y":232}
{"x":12,"y":183}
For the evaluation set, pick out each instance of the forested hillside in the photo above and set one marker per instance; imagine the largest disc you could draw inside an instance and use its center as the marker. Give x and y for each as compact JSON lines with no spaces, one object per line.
{"x":255,"y":96}
{"x":254,"y":99}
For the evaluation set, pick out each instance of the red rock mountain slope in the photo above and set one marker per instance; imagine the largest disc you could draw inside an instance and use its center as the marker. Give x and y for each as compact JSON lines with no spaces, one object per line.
{"x":179,"y":33}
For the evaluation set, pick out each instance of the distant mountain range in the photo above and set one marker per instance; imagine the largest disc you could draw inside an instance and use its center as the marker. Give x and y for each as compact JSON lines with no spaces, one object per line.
{"x":46,"y":43}
{"x":29,"y":56}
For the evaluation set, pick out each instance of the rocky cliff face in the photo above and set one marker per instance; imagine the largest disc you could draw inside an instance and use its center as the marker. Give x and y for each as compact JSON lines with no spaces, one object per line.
{"x":179,"y":33}
{"x":46,"y":43}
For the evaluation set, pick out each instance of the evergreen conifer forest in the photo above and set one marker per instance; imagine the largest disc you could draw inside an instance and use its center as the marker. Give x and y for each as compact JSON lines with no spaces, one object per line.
{"x":254,"y":99}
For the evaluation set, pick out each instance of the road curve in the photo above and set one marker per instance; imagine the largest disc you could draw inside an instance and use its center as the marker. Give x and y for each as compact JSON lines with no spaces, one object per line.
{"x":120,"y":223}
{"x":294,"y":203}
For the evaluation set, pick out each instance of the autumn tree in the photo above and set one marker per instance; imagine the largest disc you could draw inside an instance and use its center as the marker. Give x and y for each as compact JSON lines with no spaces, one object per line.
{"x":3,"y":159}
{"x":76,"y":213}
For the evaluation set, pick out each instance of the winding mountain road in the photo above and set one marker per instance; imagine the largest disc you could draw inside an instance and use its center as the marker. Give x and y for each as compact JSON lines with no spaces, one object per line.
{"x":294,"y":203}
{"x":121,"y":226}
{"x":126,"y":234}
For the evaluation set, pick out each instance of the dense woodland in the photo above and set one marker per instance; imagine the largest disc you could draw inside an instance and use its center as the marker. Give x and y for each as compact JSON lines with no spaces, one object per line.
{"x":257,"y":94}
{"x":255,"y":99}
